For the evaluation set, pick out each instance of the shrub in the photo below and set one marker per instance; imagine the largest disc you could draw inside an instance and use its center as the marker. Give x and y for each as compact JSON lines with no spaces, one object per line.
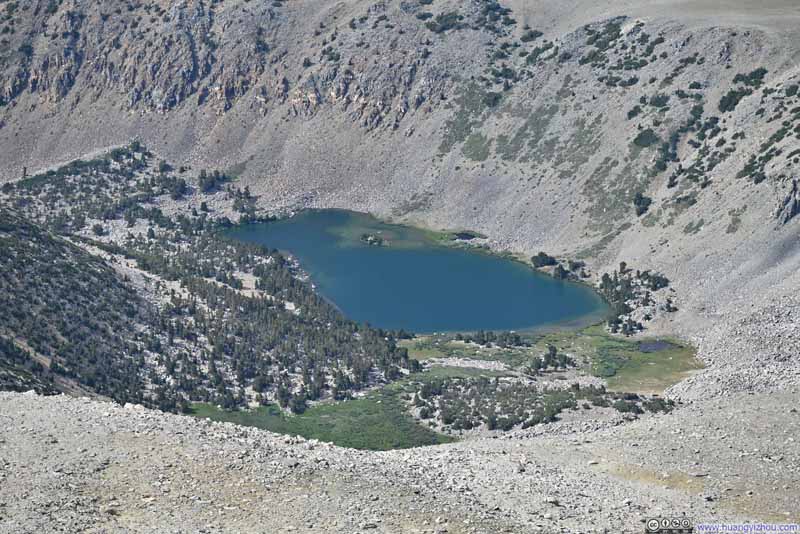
{"x":627,"y":407}
{"x":530,"y":35}
{"x":659,"y":101}
{"x":543,"y":260}
{"x":752,"y":79}
{"x":641,"y":203}
{"x":444,"y":22}
{"x":732,"y":99}
{"x":646,"y":138}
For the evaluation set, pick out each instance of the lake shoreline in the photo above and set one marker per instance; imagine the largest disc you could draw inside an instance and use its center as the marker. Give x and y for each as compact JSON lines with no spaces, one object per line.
{"x":344,"y":229}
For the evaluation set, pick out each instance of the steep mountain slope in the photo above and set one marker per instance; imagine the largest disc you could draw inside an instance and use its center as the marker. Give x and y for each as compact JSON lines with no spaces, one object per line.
{"x":658,"y":133}
{"x":117,"y":279}
{"x":56,"y":322}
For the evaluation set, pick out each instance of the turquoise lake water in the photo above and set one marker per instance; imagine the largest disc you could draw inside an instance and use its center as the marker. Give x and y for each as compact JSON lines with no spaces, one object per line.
{"x":414,"y":282}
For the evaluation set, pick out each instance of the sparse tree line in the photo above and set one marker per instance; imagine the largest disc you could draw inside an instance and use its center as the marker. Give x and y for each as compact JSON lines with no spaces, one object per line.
{"x":625,"y":290}
{"x":550,"y":360}
{"x":212,"y":341}
{"x":497,"y":339}
{"x":562,"y":270}
{"x":457,"y":404}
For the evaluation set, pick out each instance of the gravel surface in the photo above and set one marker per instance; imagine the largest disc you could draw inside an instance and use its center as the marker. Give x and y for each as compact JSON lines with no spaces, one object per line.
{"x":72,"y":465}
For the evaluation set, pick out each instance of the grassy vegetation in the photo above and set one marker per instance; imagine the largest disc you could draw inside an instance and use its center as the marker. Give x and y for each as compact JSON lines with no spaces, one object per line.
{"x":627,"y":368}
{"x":380,"y":421}
{"x":523,"y":143}
{"x":477,"y":147}
{"x":620,"y":361}
{"x":611,"y":199}
{"x":376,"y":422}
{"x":656,"y":371}
{"x":472,"y":102}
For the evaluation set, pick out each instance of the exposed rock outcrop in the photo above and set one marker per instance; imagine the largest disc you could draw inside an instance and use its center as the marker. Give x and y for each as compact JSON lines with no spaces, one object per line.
{"x":789,"y":206}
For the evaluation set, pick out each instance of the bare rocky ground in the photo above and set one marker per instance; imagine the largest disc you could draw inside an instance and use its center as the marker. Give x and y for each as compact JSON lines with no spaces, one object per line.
{"x":75,"y":465}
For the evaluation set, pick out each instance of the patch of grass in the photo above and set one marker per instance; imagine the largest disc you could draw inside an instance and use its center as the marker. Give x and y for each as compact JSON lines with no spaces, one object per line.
{"x":578,"y":149}
{"x":421,"y":349}
{"x":694,"y":227}
{"x":477,"y":147}
{"x":532,"y":131}
{"x":610,"y":189}
{"x":620,"y":361}
{"x":472,"y":102}
{"x":607,"y":363}
{"x":376,"y":422}
{"x":627,"y":368}
{"x":653,"y":372}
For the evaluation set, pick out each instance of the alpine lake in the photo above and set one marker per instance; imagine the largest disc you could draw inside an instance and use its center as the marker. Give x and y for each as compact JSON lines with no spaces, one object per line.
{"x":399,"y":277}
{"x":436,"y":284}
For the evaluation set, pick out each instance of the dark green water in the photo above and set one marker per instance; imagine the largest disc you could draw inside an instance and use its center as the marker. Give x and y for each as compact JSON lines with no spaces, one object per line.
{"x":415,"y":283}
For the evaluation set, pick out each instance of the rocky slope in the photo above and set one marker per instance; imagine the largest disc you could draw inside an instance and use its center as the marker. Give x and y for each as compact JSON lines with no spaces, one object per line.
{"x":77,"y":465}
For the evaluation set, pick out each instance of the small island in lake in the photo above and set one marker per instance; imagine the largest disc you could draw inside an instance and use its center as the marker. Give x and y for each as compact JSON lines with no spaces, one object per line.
{"x":373,"y":240}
